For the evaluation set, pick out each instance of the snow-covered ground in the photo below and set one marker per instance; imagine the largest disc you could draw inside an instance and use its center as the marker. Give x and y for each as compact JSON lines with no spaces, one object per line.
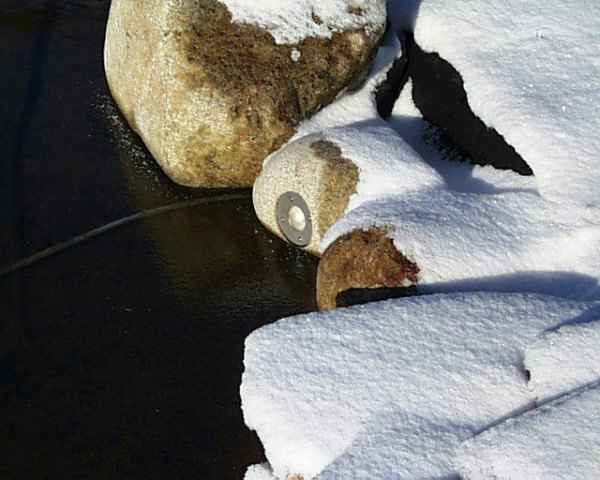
{"x":557,"y":441}
{"x":565,"y":359}
{"x":390,"y":389}
{"x":454,"y":384}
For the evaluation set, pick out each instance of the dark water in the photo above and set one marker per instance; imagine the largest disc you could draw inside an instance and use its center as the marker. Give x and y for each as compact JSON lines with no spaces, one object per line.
{"x":121,"y":357}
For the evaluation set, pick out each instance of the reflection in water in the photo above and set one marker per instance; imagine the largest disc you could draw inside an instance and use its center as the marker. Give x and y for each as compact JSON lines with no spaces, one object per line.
{"x":222,"y":241}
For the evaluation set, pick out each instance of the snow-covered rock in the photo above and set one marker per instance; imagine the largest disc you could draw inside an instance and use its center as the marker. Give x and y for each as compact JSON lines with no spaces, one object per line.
{"x":480,"y":228}
{"x":391,"y":388}
{"x":560,"y":441}
{"x":339,"y":152}
{"x":214,"y":87}
{"x":457,"y":239}
{"x":335,"y":171}
{"x":531,"y":70}
{"x":293,"y":21}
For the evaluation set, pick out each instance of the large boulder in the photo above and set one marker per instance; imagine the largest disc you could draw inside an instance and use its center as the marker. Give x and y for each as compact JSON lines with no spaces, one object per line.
{"x":212,"y":90}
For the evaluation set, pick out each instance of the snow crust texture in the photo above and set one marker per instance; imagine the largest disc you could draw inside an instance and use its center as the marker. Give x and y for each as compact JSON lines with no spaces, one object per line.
{"x":291,"y":21}
{"x":531,"y":71}
{"x":558,"y":441}
{"x":471,"y":227}
{"x":390,"y":389}
{"x":484,"y":385}
{"x":467,"y":238}
{"x":565,"y":359}
{"x":387,"y":164}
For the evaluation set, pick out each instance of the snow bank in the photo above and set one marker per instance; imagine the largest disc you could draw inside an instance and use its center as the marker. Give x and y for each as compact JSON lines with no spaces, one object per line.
{"x":457,"y":237}
{"x":560,"y":441}
{"x":531,"y":71}
{"x":458,"y":173}
{"x":477,"y":228}
{"x":402,"y":446}
{"x":291,"y":21}
{"x":390,"y":390}
{"x":387,"y":164}
{"x":393,"y":386}
{"x":565,"y":359}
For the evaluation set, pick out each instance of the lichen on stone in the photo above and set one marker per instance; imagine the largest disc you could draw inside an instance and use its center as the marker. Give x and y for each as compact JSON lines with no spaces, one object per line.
{"x":339,"y":179}
{"x":268,"y":92}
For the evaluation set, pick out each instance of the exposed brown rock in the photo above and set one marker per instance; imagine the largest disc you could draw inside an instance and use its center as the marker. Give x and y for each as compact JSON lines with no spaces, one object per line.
{"x":212,"y":98}
{"x":362,"y":260}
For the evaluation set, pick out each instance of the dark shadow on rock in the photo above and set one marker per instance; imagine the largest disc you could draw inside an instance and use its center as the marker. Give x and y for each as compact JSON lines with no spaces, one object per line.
{"x":439,"y":94}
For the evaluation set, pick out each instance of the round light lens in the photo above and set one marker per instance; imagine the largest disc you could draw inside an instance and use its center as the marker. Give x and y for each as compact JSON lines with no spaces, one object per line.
{"x":296,"y":218}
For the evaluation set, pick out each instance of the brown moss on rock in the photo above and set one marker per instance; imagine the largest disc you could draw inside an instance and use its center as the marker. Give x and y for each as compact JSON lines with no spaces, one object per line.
{"x":362,"y":260}
{"x":244,"y":63}
{"x":339,"y":179}
{"x":224,"y":94}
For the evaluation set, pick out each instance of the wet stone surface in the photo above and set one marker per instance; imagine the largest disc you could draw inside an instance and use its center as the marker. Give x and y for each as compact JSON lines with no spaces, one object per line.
{"x":121,"y":357}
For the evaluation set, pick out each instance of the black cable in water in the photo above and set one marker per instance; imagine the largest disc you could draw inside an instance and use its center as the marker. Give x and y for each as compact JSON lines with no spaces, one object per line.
{"x":61,"y":247}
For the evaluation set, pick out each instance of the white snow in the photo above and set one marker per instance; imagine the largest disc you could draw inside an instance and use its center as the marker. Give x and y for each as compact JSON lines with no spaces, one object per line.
{"x":565,"y":359}
{"x":393,"y":389}
{"x":560,"y":441}
{"x":292,"y":21}
{"x":457,"y":238}
{"x":478,"y":228}
{"x":402,"y":446}
{"x":259,"y":472}
{"x":531,"y":70}
{"x":433,"y":369}
{"x":387,"y":165}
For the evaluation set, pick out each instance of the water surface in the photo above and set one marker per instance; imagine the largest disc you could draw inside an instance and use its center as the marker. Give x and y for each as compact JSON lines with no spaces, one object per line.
{"x":121,"y":357}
